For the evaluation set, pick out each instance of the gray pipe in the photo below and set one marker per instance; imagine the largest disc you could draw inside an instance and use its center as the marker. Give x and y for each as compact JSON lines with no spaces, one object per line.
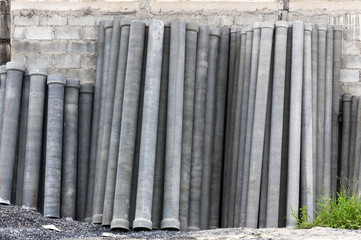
{"x":157,"y":207}
{"x":314,"y":54}
{"x":321,"y":71}
{"x":250,"y":115}
{"x":354,"y":108}
{"x":128,"y":126}
{"x":149,"y":126}
{"x":217,"y":160}
{"x":294,"y":149}
{"x":95,"y":123}
{"x":105,"y":122}
{"x":242,"y":122}
{"x":356,"y":158}
{"x":307,"y":198}
{"x":9,"y":135}
{"x":258,"y":135}
{"x":215,"y":34}
{"x":174,"y":126}
{"x":278,"y":95}
{"x":22,"y":137}
{"x":54,"y":145}
{"x":34,"y":136}
{"x":2,"y":95}
{"x":187,"y":131}
{"x":70,"y":149}
{"x":285,"y":134}
{"x":346,"y":132}
{"x":236,"y":124}
{"x":336,"y":101}
{"x":85,"y":116}
{"x":116,"y":123}
{"x":228,"y":133}
{"x":198,"y":126}
{"x":327,"y":150}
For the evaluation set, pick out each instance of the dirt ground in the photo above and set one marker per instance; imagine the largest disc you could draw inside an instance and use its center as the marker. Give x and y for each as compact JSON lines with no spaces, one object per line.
{"x":19,"y":223}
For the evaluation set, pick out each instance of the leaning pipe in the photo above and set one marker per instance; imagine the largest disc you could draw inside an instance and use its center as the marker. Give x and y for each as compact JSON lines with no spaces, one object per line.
{"x":54,"y":146}
{"x":34,"y":136}
{"x":174,"y":126}
{"x":345,"y":143}
{"x":128,"y":126}
{"x":10,"y":128}
{"x":70,"y":149}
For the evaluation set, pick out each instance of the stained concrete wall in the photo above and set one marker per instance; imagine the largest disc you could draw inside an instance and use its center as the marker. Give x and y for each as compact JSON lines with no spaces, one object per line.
{"x":63,"y":34}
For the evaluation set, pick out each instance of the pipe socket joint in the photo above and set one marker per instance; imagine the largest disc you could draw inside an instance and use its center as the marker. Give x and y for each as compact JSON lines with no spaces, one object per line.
{"x":283,"y":24}
{"x":56,"y":78}
{"x":43,"y":71}
{"x":347,"y":97}
{"x":18,"y":66}
{"x":3,"y":69}
{"x":87,"y":88}
{"x":72,"y":83}
{"x":192,"y":26}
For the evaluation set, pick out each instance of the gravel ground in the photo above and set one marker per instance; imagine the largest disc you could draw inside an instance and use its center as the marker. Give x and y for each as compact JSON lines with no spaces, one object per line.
{"x":20,"y":223}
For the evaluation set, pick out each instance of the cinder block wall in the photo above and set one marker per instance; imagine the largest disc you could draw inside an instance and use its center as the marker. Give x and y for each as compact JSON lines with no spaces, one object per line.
{"x":63,"y":35}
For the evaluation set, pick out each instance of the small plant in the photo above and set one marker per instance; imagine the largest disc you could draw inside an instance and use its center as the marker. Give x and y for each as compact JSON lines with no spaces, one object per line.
{"x":340,"y":211}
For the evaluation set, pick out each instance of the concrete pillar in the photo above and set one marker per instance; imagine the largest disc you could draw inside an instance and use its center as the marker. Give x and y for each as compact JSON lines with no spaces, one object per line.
{"x":34,"y":136}
{"x":187,"y":130}
{"x":98,"y":192}
{"x":198,"y":126}
{"x":258,"y":135}
{"x":294,"y":149}
{"x":336,"y":101}
{"x":228,"y":133}
{"x":10,"y":128}
{"x":128,"y":126}
{"x":22,"y":138}
{"x":95,"y":123}
{"x":235,"y":123}
{"x":116,"y":123}
{"x":327,"y":150}
{"x":278,"y":95}
{"x":174,"y":126}
{"x":307,"y":198}
{"x":314,"y":53}
{"x":54,"y":145}
{"x":345,"y":142}
{"x":85,"y":116}
{"x":242,"y":122}
{"x":149,"y":127}
{"x":250,"y":115}
{"x":215,"y":34}
{"x":321,"y":70}
{"x":157,"y":207}
{"x":70,"y":149}
{"x":218,"y":149}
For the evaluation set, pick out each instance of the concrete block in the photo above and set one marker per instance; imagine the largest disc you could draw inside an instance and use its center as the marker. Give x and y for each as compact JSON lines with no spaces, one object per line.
{"x":67,"y":61}
{"x":53,"y":20}
{"x":90,"y":33}
{"x":56,"y":71}
{"x":18,"y":57}
{"x":29,"y":20}
{"x":19,"y":33}
{"x":349,"y":75}
{"x":52,"y":47}
{"x":247,"y":19}
{"x":227,"y":20}
{"x":67,"y":32}
{"x":88,"y":61}
{"x":354,"y":89}
{"x":353,"y":62}
{"x":5,"y":25}
{"x":84,"y":75}
{"x":39,"y":60}
{"x":352,"y":33}
{"x":27,"y":47}
{"x":41,"y":33}
{"x":81,"y":47}
{"x":213,"y":20}
{"x":351,"y":48}
{"x":88,"y":20}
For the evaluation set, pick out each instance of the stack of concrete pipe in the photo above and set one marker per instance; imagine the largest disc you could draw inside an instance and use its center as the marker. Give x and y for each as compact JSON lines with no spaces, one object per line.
{"x":192,"y":127}
{"x":197,"y":127}
{"x":45,"y":124}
